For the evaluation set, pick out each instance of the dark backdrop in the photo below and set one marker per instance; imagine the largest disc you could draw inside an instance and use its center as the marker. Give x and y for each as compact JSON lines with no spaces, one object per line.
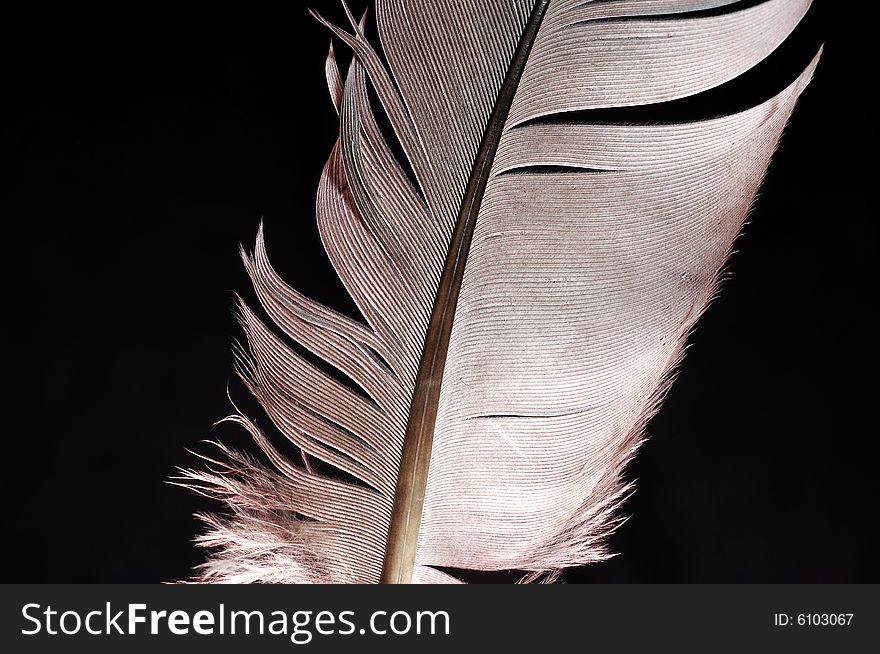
{"x":139,"y":150}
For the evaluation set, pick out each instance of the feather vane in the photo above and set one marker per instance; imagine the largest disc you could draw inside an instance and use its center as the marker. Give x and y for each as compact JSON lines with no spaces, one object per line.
{"x":527,"y":283}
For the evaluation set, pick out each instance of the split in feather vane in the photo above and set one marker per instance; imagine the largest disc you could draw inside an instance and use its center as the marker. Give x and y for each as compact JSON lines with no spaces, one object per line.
{"x":574,"y":258}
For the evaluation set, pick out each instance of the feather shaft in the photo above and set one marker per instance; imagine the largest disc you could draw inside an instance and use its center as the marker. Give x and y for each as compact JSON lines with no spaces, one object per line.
{"x":409,"y":496}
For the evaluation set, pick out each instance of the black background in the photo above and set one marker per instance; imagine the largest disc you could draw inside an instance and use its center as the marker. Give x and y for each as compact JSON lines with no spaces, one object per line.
{"x":140,"y":149}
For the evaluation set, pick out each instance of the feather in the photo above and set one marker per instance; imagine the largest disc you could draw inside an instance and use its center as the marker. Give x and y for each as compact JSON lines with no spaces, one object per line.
{"x":527,"y":283}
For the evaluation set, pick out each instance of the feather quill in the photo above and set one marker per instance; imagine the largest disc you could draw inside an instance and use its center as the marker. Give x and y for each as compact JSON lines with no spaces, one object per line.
{"x":527,"y":285}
